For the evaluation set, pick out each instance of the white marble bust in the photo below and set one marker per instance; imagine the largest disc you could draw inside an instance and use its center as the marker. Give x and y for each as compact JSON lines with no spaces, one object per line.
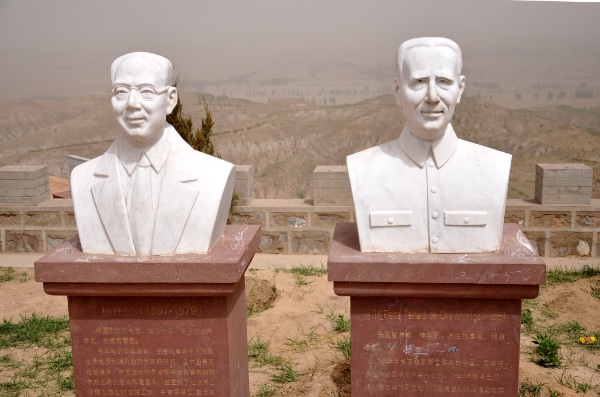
{"x":150,"y":193}
{"x":429,"y":191}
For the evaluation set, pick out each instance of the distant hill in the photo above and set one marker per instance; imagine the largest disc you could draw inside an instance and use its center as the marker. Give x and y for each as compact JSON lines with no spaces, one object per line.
{"x":46,"y":130}
{"x":286,"y":139}
{"x":588,"y":119}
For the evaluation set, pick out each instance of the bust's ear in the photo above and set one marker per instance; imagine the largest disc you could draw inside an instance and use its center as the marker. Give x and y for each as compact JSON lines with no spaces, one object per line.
{"x":396,"y":91}
{"x":172,"y":96}
{"x":461,"y":87}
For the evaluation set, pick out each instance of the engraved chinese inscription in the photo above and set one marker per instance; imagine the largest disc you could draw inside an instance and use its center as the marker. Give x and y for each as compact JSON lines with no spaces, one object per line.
{"x":147,"y":347}
{"x":438,"y":347}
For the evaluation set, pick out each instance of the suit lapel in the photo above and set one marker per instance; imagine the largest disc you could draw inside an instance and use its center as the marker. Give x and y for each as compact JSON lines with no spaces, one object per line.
{"x":178,"y":194}
{"x":110,"y":203}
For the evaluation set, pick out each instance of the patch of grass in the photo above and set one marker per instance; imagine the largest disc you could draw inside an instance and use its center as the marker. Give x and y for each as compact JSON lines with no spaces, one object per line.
{"x":558,"y":276}
{"x":595,"y":292}
{"x":590,"y":271}
{"x":301,"y":273}
{"x":286,"y":373}
{"x":309,"y":270}
{"x":298,"y":345}
{"x":67,"y":383}
{"x":60,"y":360}
{"x":343,"y":345}
{"x":12,"y":388}
{"x":340,"y":323}
{"x":547,"y":351}
{"x":572,"y":328}
{"x":548,"y":313}
{"x":6,"y":359}
{"x":50,"y":371}
{"x":9,"y":274}
{"x":527,"y":319}
{"x":566,"y":380}
{"x":258,"y":350}
{"x":301,"y":280}
{"x":266,"y":391}
{"x":528,"y":389}
{"x":34,"y":330}
{"x":583,"y":387}
{"x":301,"y":345}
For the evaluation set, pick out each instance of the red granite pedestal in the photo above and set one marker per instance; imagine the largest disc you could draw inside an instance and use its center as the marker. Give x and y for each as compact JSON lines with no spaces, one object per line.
{"x":435,"y":324}
{"x":156,"y":326}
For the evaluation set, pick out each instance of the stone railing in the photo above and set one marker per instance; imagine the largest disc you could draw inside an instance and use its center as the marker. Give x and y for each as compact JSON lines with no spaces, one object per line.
{"x":562,"y":221}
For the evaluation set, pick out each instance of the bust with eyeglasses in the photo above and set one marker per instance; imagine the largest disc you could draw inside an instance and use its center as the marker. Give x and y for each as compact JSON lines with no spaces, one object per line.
{"x":150,"y":193}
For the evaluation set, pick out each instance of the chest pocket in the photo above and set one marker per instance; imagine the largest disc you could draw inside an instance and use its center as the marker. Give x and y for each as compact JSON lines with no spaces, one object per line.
{"x":465,"y":218}
{"x":390,"y":218}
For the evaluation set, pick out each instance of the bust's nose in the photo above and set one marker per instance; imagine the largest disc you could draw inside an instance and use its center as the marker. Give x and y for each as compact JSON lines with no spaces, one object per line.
{"x":133,"y":100}
{"x":432,"y":95}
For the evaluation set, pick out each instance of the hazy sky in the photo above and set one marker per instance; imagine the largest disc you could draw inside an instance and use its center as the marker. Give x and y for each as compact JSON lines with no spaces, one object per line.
{"x":63,"y":47}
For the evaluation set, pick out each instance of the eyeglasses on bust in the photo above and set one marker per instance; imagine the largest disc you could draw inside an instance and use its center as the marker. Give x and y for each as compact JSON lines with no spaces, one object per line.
{"x":147,"y":92}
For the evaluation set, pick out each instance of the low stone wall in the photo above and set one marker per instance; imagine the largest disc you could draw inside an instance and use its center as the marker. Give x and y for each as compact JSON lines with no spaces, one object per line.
{"x":36,"y":228}
{"x":558,"y":230}
{"x":294,"y":226}
{"x":298,"y":227}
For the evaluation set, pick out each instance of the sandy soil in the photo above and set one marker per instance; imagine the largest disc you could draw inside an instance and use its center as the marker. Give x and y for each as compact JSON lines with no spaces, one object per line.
{"x":298,"y":327}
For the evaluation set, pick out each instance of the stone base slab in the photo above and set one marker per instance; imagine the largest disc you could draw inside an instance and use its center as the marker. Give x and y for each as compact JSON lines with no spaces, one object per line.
{"x":172,"y":325}
{"x":435,"y":324}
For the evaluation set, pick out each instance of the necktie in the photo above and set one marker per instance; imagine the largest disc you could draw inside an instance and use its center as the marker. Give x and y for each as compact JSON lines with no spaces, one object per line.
{"x":141,"y":211}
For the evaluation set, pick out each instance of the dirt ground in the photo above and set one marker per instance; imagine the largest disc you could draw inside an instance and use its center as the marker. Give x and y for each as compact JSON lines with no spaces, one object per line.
{"x":299,"y":330}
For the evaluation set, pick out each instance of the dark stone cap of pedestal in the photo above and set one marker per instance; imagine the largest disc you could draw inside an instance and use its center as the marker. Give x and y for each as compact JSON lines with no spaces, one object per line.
{"x":517,"y":269}
{"x":67,"y":270}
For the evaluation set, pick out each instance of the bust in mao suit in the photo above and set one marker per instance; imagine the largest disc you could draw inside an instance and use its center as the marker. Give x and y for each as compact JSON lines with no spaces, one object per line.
{"x":150,"y":193}
{"x":428,"y":190}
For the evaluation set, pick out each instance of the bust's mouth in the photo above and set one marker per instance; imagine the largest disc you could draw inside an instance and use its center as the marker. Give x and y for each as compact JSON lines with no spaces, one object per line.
{"x":432,"y":113}
{"x":135,"y":120}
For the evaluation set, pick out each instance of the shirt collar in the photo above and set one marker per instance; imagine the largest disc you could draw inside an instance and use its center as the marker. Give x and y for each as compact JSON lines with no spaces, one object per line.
{"x":157,"y":154}
{"x":418,"y":150}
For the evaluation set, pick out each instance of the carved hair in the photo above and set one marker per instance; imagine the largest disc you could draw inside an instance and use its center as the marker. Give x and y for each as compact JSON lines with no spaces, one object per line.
{"x":161,"y":63}
{"x":426,"y":42}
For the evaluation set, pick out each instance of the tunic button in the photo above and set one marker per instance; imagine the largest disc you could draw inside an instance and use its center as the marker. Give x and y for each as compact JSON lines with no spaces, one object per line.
{"x":434,"y":240}
{"x":435,"y":215}
{"x":430,"y":163}
{"x":390,"y":221}
{"x":434,"y":189}
{"x":467,"y":221}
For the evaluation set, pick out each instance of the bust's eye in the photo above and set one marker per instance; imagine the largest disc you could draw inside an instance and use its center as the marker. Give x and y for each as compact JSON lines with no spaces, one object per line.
{"x":147,"y":90}
{"x":121,"y":92}
{"x":419,"y":83}
{"x":444,"y":82}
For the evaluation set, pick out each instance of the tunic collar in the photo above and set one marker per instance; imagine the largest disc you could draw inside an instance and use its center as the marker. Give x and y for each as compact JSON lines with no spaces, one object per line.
{"x":418,"y":150}
{"x":156,"y":154}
